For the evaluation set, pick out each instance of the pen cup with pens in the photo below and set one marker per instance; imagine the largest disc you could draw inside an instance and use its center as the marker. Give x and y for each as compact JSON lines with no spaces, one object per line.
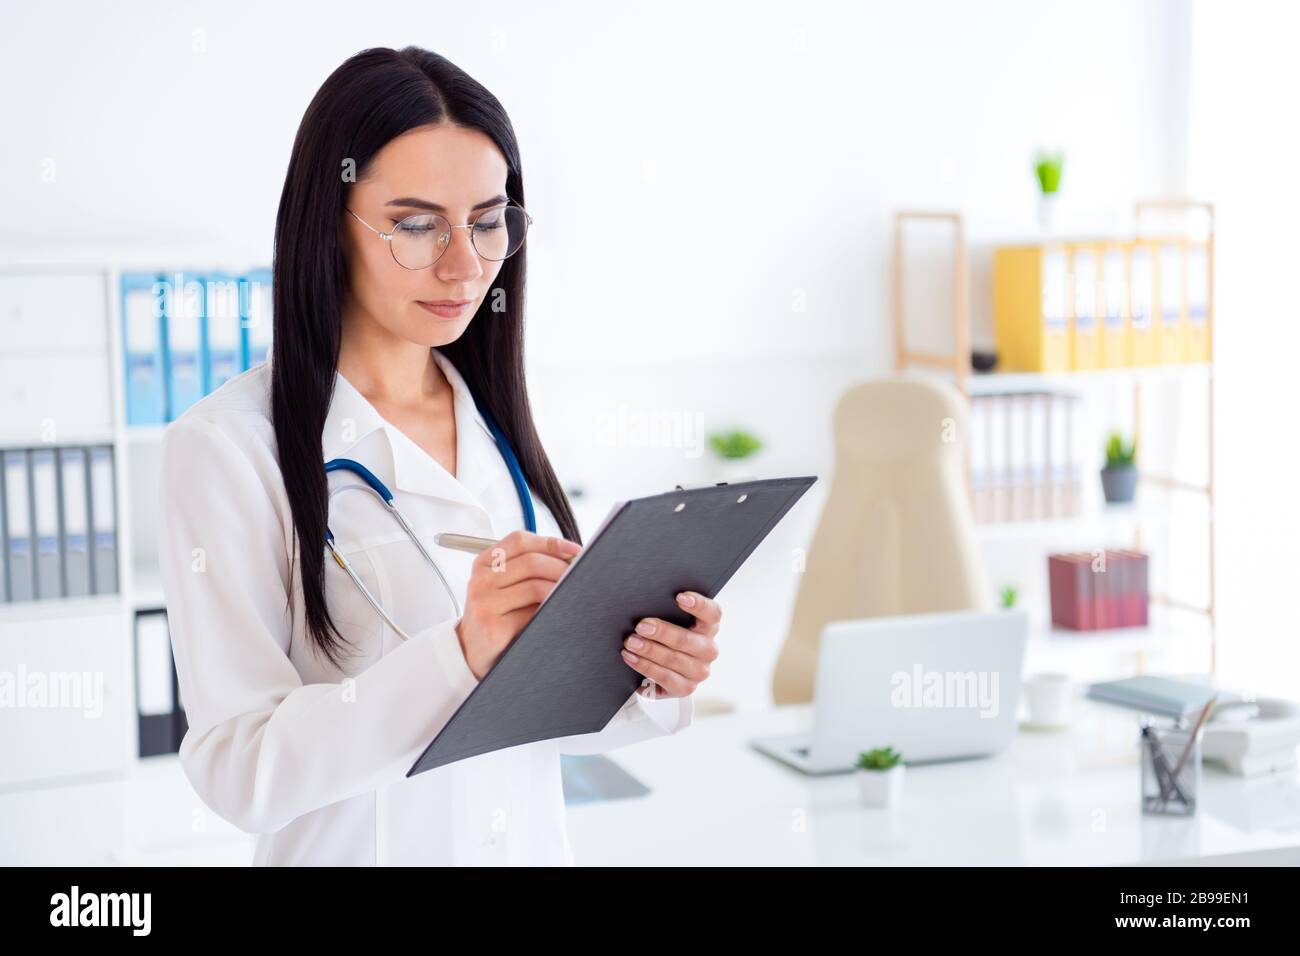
{"x":1171,"y":768}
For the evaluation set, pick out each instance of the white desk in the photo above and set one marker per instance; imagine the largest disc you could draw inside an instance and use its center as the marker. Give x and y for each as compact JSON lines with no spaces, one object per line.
{"x":1052,"y":799}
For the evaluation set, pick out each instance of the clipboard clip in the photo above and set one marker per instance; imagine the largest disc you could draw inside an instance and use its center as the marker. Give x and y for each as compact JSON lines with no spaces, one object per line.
{"x":693,"y":487}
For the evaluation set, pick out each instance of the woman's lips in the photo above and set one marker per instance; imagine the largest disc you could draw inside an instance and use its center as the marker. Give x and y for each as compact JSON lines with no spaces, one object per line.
{"x":445,"y":310}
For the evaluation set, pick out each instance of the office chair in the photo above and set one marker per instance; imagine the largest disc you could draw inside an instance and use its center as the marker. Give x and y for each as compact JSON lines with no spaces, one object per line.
{"x":897,"y":535}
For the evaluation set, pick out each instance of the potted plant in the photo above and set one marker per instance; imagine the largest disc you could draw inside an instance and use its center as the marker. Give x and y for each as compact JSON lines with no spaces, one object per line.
{"x":1047,"y":167}
{"x":880,"y":776}
{"x":1009,"y":595}
{"x":1119,"y":477}
{"x":735,"y":451}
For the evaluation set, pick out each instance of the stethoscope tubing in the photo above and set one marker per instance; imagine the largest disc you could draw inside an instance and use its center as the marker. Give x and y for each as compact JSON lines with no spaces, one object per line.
{"x":380,"y":490}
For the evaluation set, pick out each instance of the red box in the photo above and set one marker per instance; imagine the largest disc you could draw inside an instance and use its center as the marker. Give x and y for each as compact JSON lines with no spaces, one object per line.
{"x":1098,"y":590}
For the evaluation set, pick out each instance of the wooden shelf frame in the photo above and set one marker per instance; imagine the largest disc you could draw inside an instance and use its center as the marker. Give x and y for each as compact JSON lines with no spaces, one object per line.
{"x":957,"y":362}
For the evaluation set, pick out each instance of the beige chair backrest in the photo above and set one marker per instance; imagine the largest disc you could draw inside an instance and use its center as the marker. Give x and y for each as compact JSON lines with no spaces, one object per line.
{"x":896,"y":535}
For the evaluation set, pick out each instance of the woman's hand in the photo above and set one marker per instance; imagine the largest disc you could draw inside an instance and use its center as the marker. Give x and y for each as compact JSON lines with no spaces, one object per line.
{"x":507,"y":583}
{"x":677,"y":659}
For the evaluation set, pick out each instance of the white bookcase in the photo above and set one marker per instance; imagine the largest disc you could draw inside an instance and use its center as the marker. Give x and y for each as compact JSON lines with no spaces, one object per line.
{"x":62,"y":382}
{"x":1181,"y":636}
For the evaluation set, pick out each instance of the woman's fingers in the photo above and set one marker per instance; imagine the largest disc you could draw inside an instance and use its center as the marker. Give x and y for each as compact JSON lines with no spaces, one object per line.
{"x":532,"y":564}
{"x":520,"y":570}
{"x":706,"y":611}
{"x":687,"y":653}
{"x":521,"y":542}
{"x":673,"y":683}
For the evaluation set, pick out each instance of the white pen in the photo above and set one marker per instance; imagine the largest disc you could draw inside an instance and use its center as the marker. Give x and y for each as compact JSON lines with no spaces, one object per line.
{"x":462,"y":542}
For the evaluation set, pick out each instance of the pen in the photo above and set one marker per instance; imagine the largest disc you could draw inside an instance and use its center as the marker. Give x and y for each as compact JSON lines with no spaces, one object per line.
{"x":462,"y":542}
{"x":1159,"y":763}
{"x":1187,"y":751}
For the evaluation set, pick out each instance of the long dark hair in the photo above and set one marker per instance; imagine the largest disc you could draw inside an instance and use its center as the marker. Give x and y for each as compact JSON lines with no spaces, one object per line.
{"x":375,"y":96}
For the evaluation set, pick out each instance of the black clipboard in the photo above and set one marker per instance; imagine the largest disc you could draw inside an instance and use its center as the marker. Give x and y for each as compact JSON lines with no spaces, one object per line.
{"x":562,"y":674}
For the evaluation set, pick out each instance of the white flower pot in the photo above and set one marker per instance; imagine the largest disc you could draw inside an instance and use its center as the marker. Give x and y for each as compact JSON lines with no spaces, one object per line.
{"x":881,"y":788}
{"x":734,"y":470}
{"x":1047,"y":213}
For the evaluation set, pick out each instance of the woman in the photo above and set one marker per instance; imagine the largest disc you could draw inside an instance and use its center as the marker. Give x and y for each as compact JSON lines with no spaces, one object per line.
{"x":398,"y":296}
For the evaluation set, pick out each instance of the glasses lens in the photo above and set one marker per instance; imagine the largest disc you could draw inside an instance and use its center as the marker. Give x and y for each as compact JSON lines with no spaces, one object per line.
{"x":499,"y":233}
{"x":419,"y":240}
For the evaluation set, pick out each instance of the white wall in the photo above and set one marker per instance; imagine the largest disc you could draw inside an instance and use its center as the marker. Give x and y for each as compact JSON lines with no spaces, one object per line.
{"x":1244,"y":142}
{"x":758,"y":150}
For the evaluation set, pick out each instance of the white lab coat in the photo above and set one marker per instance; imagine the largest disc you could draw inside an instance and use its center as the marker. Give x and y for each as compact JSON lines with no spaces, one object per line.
{"x":311,"y":757}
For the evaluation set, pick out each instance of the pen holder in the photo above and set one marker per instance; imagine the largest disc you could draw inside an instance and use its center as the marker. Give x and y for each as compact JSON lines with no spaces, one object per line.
{"x":1171,"y":769}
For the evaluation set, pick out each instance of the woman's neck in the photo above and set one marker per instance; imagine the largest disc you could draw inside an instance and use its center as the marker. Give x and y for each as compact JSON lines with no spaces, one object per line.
{"x":389,"y":370}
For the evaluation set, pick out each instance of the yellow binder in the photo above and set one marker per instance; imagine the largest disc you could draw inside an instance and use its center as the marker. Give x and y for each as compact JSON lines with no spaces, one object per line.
{"x":1198,"y":301}
{"x":1170,"y":315}
{"x":1030,"y":305}
{"x":1085,"y":332}
{"x":1143,"y":345}
{"x":1115,"y":348}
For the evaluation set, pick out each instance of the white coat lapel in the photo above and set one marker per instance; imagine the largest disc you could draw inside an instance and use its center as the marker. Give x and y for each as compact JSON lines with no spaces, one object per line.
{"x":403,"y":465}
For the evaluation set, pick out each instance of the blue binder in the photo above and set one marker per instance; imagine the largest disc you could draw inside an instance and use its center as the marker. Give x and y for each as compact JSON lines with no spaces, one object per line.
{"x":224,"y":327}
{"x":142,"y":349}
{"x":184,"y":349}
{"x":256,"y":307}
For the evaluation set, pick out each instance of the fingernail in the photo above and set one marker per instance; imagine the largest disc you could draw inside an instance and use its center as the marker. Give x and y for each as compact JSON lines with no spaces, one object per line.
{"x":646,"y":628}
{"x":686,"y":600}
{"x":635,"y":643}
{"x":629,"y":656}
{"x":570,"y":546}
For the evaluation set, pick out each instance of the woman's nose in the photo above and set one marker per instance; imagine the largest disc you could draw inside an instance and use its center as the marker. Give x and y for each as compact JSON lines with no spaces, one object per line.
{"x":460,"y":260}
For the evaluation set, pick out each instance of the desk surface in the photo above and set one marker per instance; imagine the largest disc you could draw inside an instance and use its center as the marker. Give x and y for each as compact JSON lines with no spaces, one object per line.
{"x":1050,"y":799}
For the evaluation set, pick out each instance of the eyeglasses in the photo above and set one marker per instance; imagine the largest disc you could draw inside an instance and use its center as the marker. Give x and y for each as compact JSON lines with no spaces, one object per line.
{"x":418,"y":241}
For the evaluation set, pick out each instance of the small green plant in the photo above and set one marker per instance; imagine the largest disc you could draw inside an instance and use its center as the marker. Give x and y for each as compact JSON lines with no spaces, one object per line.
{"x":1120,"y":454}
{"x":1047,"y":167}
{"x":882,"y":758}
{"x":735,"y":444}
{"x":1009,"y":595}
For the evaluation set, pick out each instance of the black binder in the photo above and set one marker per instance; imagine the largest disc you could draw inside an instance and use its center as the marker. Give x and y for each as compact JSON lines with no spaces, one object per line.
{"x":563,"y":674}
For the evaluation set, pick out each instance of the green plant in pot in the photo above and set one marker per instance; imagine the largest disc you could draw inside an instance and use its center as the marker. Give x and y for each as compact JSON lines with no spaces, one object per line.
{"x":734,"y":452}
{"x":880,"y":776}
{"x":1120,"y":476}
{"x":1047,"y":169}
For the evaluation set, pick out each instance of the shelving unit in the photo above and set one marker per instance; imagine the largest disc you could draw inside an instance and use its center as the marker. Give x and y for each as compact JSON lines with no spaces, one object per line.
{"x":79,"y":387}
{"x":956,"y":363}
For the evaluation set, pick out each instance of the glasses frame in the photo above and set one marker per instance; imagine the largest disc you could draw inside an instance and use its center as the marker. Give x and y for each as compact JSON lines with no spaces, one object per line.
{"x":388,"y":236}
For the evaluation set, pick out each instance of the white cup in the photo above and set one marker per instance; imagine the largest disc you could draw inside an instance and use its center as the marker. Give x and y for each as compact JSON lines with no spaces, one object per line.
{"x":1048,"y":698}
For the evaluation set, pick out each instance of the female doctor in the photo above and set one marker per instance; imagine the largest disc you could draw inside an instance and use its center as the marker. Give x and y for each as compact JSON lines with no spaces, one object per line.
{"x":398,"y":307}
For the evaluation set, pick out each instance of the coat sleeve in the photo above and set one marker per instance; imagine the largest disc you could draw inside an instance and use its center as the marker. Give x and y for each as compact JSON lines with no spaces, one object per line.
{"x":640,"y":718}
{"x":263,"y":747}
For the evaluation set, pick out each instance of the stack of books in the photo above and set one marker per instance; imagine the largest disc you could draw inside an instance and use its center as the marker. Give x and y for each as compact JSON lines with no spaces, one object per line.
{"x":1093,"y":590}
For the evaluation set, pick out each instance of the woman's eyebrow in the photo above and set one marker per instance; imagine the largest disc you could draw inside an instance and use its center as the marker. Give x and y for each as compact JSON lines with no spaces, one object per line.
{"x":414,"y":203}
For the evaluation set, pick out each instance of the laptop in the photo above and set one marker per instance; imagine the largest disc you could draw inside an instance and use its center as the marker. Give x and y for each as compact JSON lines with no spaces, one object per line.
{"x":932,"y":686}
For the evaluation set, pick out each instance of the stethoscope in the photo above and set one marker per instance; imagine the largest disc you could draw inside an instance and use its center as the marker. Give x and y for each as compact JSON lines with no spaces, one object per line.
{"x":380,"y":490}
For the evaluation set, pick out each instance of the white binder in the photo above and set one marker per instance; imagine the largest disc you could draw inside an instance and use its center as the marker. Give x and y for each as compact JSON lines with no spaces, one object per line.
{"x":76,"y":524}
{"x":18,"y":555}
{"x":45,"y":508}
{"x":103,"y":506}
